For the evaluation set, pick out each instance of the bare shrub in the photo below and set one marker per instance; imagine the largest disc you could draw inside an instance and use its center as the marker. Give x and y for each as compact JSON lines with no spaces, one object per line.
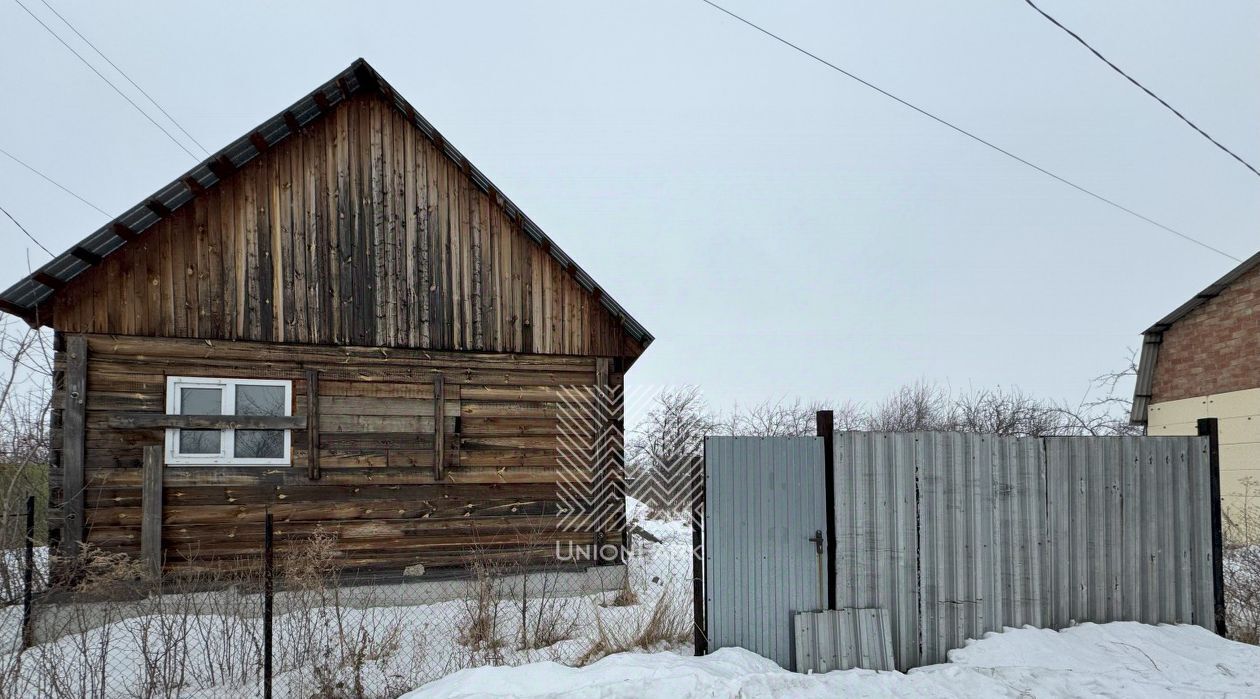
{"x":341,"y":648}
{"x":480,"y":624}
{"x":160,"y":634}
{"x":923,"y":406}
{"x":25,"y":392}
{"x":313,"y":619}
{"x":1241,"y":565}
{"x":665,"y":448}
{"x":920,"y":406}
{"x":225,"y":634}
{"x":349,"y":678}
{"x":102,"y":588}
{"x":546,"y":616}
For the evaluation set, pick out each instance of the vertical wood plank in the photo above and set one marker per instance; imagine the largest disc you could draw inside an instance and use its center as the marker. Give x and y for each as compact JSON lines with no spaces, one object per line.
{"x":605,"y":399}
{"x":388,"y":243}
{"x":72,"y":447}
{"x":336,"y":173}
{"x":151,"y":511}
{"x":312,"y":424}
{"x":439,"y":427}
{"x":453,"y":395}
{"x":196,"y":271}
{"x":476,"y":234}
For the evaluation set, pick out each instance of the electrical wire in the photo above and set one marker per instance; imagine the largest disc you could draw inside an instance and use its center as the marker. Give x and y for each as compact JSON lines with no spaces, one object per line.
{"x":124,"y":74}
{"x":971,"y":135}
{"x":28,"y":233}
{"x":50,"y":180}
{"x":1142,"y":87}
{"x":107,"y":81}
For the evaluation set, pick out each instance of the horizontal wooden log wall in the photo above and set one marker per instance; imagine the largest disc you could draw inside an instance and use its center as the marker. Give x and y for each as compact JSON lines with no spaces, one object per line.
{"x":358,"y":231}
{"x":377,"y":489}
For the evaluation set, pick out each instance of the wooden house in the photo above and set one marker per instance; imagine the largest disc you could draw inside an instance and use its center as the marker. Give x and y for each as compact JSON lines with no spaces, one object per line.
{"x":337,"y":319}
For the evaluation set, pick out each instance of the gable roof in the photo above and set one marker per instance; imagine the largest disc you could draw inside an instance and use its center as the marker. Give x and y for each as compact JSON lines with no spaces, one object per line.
{"x":1154,"y":336}
{"x":24,"y":298}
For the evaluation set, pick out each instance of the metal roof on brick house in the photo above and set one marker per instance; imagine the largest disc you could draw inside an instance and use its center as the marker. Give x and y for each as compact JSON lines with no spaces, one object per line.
{"x":1154,"y":336}
{"x":25,"y":298}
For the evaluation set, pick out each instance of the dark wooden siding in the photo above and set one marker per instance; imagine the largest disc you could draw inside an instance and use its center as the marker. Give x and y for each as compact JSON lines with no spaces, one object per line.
{"x":358,"y":231}
{"x":377,"y":492}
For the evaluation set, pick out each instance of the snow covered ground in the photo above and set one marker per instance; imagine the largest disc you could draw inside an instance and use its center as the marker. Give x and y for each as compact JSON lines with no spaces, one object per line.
{"x":1121,"y":659}
{"x":209,"y":645}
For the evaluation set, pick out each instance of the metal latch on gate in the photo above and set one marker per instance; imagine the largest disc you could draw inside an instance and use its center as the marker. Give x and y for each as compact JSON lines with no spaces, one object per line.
{"x":817,"y":538}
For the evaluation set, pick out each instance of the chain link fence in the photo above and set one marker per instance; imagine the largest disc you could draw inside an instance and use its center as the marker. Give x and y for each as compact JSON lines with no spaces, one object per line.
{"x":294,"y":623}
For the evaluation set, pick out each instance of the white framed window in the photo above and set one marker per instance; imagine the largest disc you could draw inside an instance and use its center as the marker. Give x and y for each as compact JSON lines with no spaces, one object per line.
{"x":228,"y":446}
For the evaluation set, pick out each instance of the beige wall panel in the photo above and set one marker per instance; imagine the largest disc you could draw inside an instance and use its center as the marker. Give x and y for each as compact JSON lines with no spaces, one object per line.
{"x":1239,"y":430}
{"x":1234,"y":488}
{"x":1234,"y":403}
{"x":1176,"y":411}
{"x":1237,"y":457}
{"x":1177,"y":429}
{"x":1238,"y":413}
{"x":1240,"y":462}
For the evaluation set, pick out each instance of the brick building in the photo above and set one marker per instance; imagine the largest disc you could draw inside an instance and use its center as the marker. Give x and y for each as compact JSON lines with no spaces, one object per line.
{"x":1203,"y":360}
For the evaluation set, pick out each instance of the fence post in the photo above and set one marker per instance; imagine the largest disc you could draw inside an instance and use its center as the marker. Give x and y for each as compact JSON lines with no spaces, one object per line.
{"x":73,"y":421}
{"x":698,"y":609}
{"x":1210,"y":428}
{"x":827,"y":430}
{"x":267,"y":604}
{"x":28,"y":575}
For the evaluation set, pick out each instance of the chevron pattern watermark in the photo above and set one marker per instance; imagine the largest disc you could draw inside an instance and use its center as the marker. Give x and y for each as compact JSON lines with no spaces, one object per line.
{"x":591,"y":487}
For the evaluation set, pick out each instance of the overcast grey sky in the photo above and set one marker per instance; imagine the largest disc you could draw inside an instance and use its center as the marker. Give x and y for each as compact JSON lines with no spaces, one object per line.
{"x":779,"y":228}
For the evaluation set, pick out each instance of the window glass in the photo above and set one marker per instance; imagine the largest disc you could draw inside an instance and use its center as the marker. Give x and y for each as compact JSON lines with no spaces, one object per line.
{"x":259,"y":444}
{"x":201,"y":401}
{"x":259,"y":400}
{"x":228,"y":445}
{"x":199,"y":441}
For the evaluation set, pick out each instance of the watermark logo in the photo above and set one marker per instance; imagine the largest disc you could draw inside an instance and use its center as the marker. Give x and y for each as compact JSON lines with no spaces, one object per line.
{"x":660,"y":466}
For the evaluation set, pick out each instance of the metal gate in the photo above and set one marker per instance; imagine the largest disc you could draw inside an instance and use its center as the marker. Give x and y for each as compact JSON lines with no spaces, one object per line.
{"x":765,"y":541}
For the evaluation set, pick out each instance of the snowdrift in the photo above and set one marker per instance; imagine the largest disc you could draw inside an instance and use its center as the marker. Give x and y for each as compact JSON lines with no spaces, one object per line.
{"x":1120,"y":659}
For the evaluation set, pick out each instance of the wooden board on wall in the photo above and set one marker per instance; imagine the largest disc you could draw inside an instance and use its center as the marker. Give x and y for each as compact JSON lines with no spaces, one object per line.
{"x":377,"y":490}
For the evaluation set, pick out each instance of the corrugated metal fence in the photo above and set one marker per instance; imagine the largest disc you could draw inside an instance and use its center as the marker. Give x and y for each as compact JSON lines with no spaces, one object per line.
{"x":959,"y":534}
{"x":955,"y":535}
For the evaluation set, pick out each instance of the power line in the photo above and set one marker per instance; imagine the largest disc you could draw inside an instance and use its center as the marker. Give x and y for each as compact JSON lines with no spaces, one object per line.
{"x":28,"y":233}
{"x":107,"y":80}
{"x":51,"y":181}
{"x":971,"y":135}
{"x":1142,"y":87}
{"x":124,"y":74}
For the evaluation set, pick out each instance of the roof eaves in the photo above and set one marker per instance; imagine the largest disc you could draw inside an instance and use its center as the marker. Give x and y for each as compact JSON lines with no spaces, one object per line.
{"x":1154,"y":336}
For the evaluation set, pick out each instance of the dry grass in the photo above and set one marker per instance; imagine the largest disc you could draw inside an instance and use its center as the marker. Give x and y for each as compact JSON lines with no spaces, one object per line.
{"x":626,"y":596}
{"x":667,"y":623}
